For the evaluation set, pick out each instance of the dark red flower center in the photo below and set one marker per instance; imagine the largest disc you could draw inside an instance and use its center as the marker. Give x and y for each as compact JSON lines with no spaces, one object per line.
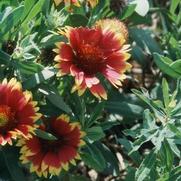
{"x":7,"y":118}
{"x":89,"y":59}
{"x":52,"y":145}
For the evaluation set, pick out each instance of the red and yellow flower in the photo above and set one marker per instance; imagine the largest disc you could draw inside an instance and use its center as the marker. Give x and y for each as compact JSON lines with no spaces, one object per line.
{"x":67,"y":2}
{"x":91,"y":52}
{"x":51,"y":156}
{"x":17,"y":112}
{"x":93,"y":3}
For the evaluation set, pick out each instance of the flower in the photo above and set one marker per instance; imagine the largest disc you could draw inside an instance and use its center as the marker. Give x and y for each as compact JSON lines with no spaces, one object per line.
{"x":67,"y":2}
{"x":51,"y":156}
{"x":91,"y":52}
{"x":93,"y":3}
{"x":115,"y":26}
{"x":17,"y":112}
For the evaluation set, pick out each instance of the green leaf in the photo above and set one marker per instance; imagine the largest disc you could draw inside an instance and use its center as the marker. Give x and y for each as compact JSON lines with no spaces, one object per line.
{"x":173,"y":6}
{"x":176,"y":66}
{"x":93,"y":157}
{"x":77,"y":178}
{"x":55,"y":98}
{"x":11,"y":20}
{"x":44,"y":135}
{"x":27,"y":7}
{"x":124,"y":109}
{"x":175,"y":130}
{"x":34,"y":11}
{"x":38,"y":78}
{"x":156,"y":108}
{"x":164,"y":64}
{"x":112,"y":166}
{"x":4,"y":58}
{"x":27,"y":68}
{"x":175,"y":174}
{"x":76,"y":20}
{"x":144,"y":39}
{"x":106,"y":125}
{"x":167,"y":155}
{"x":149,"y":120}
{"x":58,"y":101}
{"x":128,"y":146}
{"x":146,"y":166}
{"x":174,"y":147}
{"x":128,"y":11}
{"x":95,"y":133}
{"x":149,"y":134}
{"x":10,"y":155}
{"x":165,"y":90}
{"x":139,"y":55}
{"x":95,"y":114}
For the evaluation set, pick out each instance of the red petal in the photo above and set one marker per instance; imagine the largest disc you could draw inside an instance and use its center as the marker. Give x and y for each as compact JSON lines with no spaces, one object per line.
{"x":52,"y":159}
{"x":61,"y":127}
{"x":109,"y":43}
{"x":113,"y":76}
{"x":73,"y":138}
{"x":66,"y":52}
{"x":90,"y":81}
{"x":98,"y":91}
{"x":65,"y":67}
{"x":33,"y":144}
{"x":67,"y":153}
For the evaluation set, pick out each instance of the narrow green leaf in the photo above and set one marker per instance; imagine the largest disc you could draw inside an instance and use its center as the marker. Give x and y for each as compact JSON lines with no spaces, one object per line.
{"x":10,"y":155}
{"x":144,"y":40}
{"x":11,"y":20}
{"x":95,"y":133}
{"x":143,"y":139}
{"x":167,"y":155}
{"x":27,"y":7}
{"x":128,"y":146}
{"x":76,"y":20}
{"x":55,"y":98}
{"x":124,"y":109}
{"x":174,"y":147}
{"x":164,"y":64}
{"x":175,"y":130}
{"x":165,"y":90}
{"x":93,"y":157}
{"x":173,"y":6}
{"x":27,"y":68}
{"x":4,"y":58}
{"x":176,"y":66}
{"x":58,"y":101}
{"x":146,"y":166}
{"x":128,"y":11}
{"x":112,"y":166}
{"x":34,"y":11}
{"x":175,"y":174}
{"x":95,"y":114}
{"x":44,"y":135}
{"x":38,"y":78}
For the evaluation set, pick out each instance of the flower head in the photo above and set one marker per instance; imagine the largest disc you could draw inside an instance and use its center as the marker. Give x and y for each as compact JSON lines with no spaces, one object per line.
{"x":67,"y":2}
{"x":17,"y":112}
{"x":51,"y":156}
{"x":90,"y":52}
{"x":93,"y":3}
{"x":115,"y":26}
